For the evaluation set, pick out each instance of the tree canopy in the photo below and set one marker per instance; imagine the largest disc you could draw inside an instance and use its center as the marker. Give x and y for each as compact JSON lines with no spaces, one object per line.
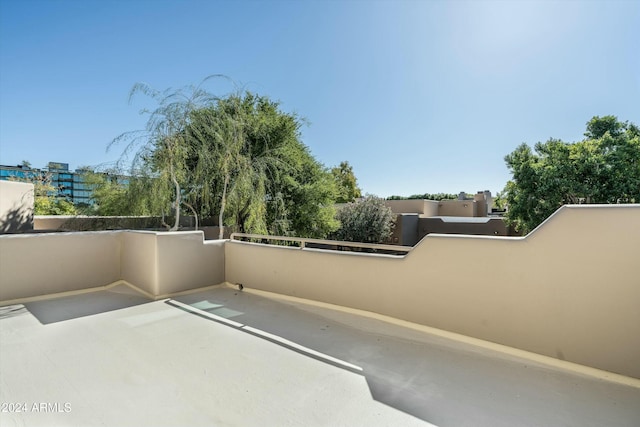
{"x":346,"y":183}
{"x":238,"y":158}
{"x":47,"y":200}
{"x":602,"y":168}
{"x":250,"y":167}
{"x":368,"y":221}
{"x":108,"y":194}
{"x":426,"y":196}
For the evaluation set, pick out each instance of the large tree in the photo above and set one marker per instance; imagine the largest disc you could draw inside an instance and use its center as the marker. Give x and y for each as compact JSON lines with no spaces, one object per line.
{"x":238,"y":158}
{"x":109,"y":196}
{"x":602,"y":168}
{"x":159,"y":152}
{"x":255,"y":172}
{"x":346,"y":183}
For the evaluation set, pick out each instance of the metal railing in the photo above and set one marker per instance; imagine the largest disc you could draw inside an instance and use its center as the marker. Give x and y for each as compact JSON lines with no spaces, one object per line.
{"x":335,"y":245}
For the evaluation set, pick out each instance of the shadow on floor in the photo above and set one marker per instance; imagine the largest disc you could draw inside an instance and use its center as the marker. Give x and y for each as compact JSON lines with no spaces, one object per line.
{"x":443,"y":382}
{"x":12,"y":311}
{"x":88,"y":304}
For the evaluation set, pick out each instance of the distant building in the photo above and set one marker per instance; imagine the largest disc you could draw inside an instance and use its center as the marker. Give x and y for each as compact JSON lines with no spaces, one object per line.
{"x":70,"y":185}
{"x":473,"y":215}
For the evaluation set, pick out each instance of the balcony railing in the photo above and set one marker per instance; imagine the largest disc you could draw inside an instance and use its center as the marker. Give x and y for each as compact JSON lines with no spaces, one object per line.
{"x":334,"y":245}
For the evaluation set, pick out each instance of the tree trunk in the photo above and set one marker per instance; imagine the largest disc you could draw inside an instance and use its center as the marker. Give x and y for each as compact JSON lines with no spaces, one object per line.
{"x":195,"y":214}
{"x":222,"y":206}
{"x":177,"y":202}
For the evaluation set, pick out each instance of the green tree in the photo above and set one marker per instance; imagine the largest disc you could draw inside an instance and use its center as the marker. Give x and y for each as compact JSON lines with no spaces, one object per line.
{"x":46,"y":200}
{"x":368,"y":221}
{"x":426,"y":196}
{"x":109,"y":195}
{"x":226,"y":162}
{"x":53,"y":206}
{"x":602,"y":168}
{"x":238,"y":158}
{"x":255,"y":173}
{"x":499,"y":201}
{"x":160,"y":151}
{"x":346,"y":183}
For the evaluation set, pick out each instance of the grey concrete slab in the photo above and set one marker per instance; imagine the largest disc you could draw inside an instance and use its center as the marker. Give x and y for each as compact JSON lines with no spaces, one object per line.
{"x":156,"y":365}
{"x":280,"y":363}
{"x":445,"y":382}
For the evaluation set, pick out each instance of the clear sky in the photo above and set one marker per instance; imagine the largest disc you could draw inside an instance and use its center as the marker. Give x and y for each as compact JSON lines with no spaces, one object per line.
{"x":419,"y":96}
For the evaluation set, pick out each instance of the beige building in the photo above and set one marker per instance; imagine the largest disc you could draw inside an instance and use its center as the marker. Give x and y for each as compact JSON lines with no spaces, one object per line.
{"x":466,"y":215}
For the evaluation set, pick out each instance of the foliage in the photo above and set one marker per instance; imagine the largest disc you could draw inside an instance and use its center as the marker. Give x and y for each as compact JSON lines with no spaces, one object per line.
{"x":253,"y":169}
{"x":602,"y":168}
{"x":346,"y":183}
{"x":368,"y":221}
{"x":426,"y":196}
{"x":500,"y":200}
{"x":108,"y":195}
{"x":161,"y":149}
{"x":239,"y":158}
{"x":46,"y":200}
{"x":53,"y":206}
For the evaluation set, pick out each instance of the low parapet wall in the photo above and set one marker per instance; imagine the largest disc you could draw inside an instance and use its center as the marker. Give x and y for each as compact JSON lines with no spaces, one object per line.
{"x":48,"y":223}
{"x":41,"y":264}
{"x":158,"y":263}
{"x":569,"y":290}
{"x":166,"y":263}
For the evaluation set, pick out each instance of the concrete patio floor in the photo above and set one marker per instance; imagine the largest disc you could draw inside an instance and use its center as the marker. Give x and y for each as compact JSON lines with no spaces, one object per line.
{"x":224,"y":357}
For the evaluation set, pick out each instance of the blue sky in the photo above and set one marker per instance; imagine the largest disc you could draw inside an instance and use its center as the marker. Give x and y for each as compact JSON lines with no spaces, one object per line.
{"x":419,"y":96}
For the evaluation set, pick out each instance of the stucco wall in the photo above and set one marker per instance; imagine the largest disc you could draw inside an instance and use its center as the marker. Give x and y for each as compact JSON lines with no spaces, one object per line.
{"x":418,"y":206}
{"x":568,"y":290}
{"x":139,"y":260}
{"x":97,"y":223}
{"x":405,"y":230}
{"x":158,"y":263}
{"x":466,"y":208}
{"x":16,"y":207}
{"x":492,"y":227}
{"x":186,"y":261}
{"x":40,"y":264}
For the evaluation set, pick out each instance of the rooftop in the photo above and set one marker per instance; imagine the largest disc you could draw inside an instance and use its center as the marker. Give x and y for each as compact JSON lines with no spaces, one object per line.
{"x":223,"y":356}
{"x":167,"y":329}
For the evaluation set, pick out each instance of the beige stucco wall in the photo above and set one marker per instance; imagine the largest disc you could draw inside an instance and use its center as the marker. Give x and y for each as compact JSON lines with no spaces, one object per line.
{"x":569,"y":290}
{"x":159,"y":263}
{"x":482,"y":205}
{"x":419,"y":206}
{"x":51,"y":222}
{"x":431,"y":207}
{"x":457,"y":208}
{"x":16,"y":206}
{"x":40,"y":264}
{"x":139,"y":260}
{"x":187,"y":261}
{"x":98,"y":223}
